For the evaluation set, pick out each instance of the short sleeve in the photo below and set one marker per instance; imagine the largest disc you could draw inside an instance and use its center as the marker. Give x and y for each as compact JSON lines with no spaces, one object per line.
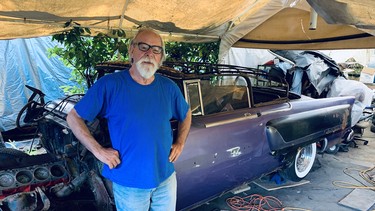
{"x":181,"y":107}
{"x":93,"y":103}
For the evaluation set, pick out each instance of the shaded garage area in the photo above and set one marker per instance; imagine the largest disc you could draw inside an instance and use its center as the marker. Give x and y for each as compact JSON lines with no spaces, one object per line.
{"x":334,"y":182}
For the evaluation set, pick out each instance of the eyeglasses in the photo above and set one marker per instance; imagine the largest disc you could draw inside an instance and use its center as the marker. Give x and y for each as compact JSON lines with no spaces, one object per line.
{"x":145,"y":47}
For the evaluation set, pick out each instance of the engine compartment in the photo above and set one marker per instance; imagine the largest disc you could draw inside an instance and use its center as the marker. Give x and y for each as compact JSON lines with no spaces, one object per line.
{"x":50,"y":169}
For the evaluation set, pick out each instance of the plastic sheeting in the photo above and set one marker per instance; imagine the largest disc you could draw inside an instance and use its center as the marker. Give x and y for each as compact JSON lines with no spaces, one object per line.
{"x":319,"y":75}
{"x":247,"y":57}
{"x":363,"y":95}
{"x":316,"y":69}
{"x":25,"y":62}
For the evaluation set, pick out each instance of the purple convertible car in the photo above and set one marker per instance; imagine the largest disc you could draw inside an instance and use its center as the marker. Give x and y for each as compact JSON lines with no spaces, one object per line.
{"x":246,"y":124}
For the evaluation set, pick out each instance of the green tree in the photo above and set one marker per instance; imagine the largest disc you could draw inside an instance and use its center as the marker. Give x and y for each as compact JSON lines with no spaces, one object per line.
{"x":82,"y":53}
{"x":192,"y":52}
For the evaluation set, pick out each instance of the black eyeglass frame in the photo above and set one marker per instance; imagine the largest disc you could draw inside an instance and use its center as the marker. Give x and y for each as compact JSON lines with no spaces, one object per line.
{"x":155,"y":48}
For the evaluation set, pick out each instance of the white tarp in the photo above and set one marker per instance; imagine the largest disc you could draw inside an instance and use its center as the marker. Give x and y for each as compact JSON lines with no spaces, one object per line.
{"x":25,"y":62}
{"x":247,"y":57}
{"x":363,"y":95}
{"x":315,"y":69}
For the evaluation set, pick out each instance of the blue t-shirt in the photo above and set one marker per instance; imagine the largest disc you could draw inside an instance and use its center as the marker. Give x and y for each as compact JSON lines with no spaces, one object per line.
{"x":139,"y":125}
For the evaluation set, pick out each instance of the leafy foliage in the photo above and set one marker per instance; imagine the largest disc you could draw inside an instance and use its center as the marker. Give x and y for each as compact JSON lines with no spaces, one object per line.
{"x":192,"y":52}
{"x":82,"y":53}
{"x":351,"y":63}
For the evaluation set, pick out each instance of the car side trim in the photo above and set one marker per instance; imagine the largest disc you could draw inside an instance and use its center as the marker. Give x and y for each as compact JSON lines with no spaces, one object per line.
{"x":246,"y":116}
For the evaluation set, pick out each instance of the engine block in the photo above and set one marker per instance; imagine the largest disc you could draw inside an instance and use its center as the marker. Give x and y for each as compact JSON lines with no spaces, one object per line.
{"x":28,"y":178}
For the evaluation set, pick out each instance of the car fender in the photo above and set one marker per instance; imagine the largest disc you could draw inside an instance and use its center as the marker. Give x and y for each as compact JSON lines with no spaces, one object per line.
{"x":295,"y":130}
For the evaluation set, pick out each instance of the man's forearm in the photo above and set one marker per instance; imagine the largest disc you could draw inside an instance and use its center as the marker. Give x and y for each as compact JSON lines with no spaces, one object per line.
{"x":108,"y":156}
{"x":82,"y":133}
{"x":184,"y":128}
{"x":183,"y":131}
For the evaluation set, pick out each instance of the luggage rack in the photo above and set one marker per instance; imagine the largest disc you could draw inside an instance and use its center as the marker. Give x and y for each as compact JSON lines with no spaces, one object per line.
{"x":197,"y":70}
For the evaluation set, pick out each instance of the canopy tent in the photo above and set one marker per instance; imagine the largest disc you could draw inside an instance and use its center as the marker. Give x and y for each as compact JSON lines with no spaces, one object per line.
{"x":263,"y":24}
{"x":268,"y":24}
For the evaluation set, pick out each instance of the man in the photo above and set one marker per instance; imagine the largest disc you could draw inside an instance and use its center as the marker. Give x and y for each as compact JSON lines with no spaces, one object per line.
{"x":138,"y":105}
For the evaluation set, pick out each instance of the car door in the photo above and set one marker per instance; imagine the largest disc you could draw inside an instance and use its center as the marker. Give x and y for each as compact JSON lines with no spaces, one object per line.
{"x":227,"y":143}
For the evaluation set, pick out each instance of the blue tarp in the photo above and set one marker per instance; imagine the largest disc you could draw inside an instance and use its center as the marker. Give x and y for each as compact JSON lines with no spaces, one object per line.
{"x":25,"y":62}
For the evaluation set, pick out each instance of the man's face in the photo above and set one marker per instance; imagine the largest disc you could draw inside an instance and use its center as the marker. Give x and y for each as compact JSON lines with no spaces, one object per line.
{"x":146,"y":52}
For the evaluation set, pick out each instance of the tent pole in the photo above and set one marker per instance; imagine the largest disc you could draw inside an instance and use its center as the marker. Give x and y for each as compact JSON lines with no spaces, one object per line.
{"x":313,"y":19}
{"x":120,"y":24}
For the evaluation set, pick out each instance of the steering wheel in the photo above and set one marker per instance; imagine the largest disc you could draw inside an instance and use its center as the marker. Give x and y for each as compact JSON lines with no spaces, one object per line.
{"x":34,"y":108}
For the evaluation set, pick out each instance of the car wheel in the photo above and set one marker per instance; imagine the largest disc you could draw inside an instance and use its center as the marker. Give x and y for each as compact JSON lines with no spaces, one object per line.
{"x":333,"y":149}
{"x":301,"y":163}
{"x":321,"y":146}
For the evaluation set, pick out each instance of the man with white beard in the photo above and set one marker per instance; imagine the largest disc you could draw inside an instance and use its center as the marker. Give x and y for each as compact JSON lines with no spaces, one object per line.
{"x":138,"y":105}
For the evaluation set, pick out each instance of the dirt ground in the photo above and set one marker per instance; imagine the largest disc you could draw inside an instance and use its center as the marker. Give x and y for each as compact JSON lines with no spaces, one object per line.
{"x":324,"y":189}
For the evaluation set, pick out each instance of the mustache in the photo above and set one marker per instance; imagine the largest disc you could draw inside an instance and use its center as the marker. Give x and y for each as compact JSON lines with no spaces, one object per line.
{"x":148,"y":59}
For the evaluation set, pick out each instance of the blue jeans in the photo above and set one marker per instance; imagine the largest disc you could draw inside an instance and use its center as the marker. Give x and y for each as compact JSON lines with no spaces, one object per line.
{"x":161,"y":198}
